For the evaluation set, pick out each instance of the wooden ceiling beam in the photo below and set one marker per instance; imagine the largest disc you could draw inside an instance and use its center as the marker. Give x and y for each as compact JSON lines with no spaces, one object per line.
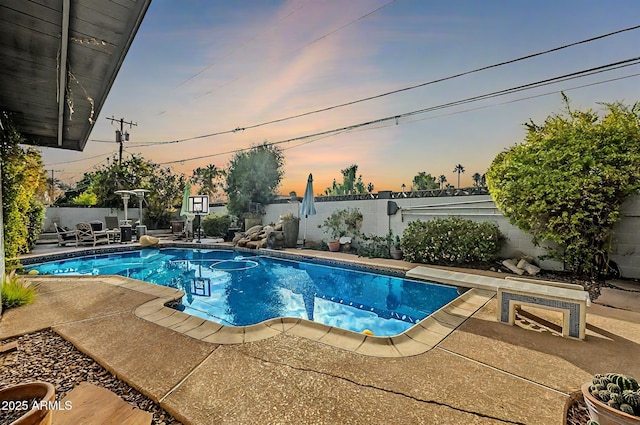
{"x":62,"y":68}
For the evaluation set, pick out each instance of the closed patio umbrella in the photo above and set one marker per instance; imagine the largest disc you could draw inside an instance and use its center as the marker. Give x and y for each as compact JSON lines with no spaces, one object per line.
{"x":307,"y":207}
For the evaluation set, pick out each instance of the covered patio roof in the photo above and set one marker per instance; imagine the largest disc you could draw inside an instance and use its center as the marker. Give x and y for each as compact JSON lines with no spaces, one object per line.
{"x":59,"y":60}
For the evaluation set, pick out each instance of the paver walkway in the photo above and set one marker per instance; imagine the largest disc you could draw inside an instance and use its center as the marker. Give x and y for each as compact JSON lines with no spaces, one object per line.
{"x":483,"y":373}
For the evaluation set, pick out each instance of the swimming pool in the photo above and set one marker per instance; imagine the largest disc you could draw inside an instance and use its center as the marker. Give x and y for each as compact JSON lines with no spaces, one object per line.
{"x":239,"y":289}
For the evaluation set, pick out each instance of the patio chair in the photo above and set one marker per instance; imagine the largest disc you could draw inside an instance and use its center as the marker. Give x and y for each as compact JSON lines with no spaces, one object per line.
{"x":65,"y":236}
{"x":87,"y":235}
{"x":112,"y":224}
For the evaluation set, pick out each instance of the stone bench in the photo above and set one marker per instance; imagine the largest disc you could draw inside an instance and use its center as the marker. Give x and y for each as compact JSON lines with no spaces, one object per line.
{"x":571,"y":300}
{"x":572,"y":303}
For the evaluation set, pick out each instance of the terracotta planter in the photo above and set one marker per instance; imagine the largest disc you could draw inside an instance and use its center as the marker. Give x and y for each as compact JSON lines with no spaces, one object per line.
{"x":603,"y":414}
{"x":42,"y":391}
{"x":334,"y":246}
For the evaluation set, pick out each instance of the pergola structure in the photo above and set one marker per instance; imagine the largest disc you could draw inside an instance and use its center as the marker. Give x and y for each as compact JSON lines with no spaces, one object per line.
{"x":59,"y":60}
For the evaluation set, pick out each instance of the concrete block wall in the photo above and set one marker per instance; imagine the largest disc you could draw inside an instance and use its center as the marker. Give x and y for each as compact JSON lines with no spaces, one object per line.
{"x":68,"y":217}
{"x":625,"y":237}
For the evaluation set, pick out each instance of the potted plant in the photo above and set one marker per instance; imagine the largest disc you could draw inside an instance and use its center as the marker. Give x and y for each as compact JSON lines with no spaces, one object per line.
{"x":613,"y":398}
{"x":28,"y":404}
{"x":396,"y":250}
{"x":340,"y":224}
{"x":291,"y":228}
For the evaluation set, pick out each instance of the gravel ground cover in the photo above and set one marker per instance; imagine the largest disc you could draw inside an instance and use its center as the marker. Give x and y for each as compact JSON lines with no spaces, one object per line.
{"x":46,"y":356}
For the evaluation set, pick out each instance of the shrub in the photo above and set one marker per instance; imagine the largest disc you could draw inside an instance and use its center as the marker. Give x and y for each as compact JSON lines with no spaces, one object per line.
{"x":14,"y":293}
{"x":216,"y":225}
{"x":344,"y":222}
{"x":450,"y":241}
{"x":35,"y":221}
{"x":22,"y":180}
{"x":567,"y":181}
{"x":374,"y":246}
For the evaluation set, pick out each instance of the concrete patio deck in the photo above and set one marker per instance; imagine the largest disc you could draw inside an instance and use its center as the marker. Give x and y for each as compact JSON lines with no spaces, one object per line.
{"x":484,"y":372}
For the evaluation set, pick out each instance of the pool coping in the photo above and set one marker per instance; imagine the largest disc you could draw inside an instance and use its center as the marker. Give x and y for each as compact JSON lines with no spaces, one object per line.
{"x":418,"y":339}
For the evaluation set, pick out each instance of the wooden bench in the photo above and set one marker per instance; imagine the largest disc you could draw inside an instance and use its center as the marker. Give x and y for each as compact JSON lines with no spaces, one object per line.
{"x":88,"y":404}
{"x":571,"y":300}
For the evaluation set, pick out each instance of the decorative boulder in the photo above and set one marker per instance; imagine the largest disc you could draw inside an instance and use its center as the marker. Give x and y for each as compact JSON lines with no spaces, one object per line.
{"x":254,"y":229}
{"x":275,"y":240}
{"x":148,"y":241}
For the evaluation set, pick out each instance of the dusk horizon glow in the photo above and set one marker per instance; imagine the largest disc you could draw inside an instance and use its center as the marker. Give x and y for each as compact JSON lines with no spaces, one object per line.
{"x":203,"y":67}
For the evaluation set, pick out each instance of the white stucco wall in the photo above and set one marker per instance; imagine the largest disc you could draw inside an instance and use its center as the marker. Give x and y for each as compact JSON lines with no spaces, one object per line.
{"x":625,"y":240}
{"x":68,"y":217}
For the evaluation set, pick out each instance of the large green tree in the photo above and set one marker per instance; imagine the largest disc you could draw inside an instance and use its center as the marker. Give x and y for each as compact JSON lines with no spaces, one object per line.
{"x":98,"y":188}
{"x":424,"y":181}
{"x":134,"y":172}
{"x":166,"y":191}
{"x":566,"y":182}
{"x":253,"y":176}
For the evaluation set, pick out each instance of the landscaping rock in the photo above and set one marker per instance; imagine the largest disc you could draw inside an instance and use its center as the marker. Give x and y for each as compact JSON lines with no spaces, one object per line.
{"x":530,"y":268}
{"x":237,"y":237}
{"x":148,"y":241}
{"x":275,"y":240}
{"x":254,"y":229}
{"x":46,"y":356}
{"x":511,"y":265}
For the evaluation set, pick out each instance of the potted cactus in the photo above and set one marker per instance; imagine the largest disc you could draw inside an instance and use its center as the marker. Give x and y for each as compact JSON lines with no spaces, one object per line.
{"x":613,"y":398}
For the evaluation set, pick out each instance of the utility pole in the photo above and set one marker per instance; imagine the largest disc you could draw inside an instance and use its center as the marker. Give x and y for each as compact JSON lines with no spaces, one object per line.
{"x":52,"y":188}
{"x":121,"y":135}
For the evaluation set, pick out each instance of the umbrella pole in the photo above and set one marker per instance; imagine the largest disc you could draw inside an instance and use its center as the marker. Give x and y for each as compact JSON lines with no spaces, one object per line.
{"x":304,"y":239}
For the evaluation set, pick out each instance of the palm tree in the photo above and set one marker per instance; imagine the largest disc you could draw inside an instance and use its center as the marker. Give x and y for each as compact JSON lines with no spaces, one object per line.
{"x":207,"y":179}
{"x":477,"y":178}
{"x":442,"y":179}
{"x":459,"y":169}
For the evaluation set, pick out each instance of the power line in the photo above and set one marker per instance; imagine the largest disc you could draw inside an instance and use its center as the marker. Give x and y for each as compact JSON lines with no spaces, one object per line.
{"x":79,"y":160}
{"x":529,"y":56}
{"x":565,"y":77}
{"x":392,"y":124}
{"x":526,"y":98}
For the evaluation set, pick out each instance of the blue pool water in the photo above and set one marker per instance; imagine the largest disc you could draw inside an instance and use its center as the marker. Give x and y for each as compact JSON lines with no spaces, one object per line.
{"x":240,"y":289}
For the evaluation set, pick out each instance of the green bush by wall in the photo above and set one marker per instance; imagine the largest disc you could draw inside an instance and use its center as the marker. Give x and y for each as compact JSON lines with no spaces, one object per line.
{"x":451,"y":241}
{"x":216,"y":225}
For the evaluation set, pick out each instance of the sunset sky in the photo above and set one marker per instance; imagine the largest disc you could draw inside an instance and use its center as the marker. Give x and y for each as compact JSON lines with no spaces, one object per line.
{"x":198,"y":67}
